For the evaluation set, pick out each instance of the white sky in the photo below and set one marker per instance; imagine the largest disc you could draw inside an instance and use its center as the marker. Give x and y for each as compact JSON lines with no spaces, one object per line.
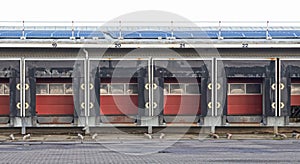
{"x":195,"y":10}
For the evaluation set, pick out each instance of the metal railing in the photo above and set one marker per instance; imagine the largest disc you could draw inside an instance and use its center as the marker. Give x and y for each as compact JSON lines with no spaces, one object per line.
{"x":169,"y":26}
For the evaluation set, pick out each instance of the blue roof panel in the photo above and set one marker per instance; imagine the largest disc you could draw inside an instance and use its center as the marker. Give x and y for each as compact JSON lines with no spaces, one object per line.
{"x":90,"y":34}
{"x":283,"y":34}
{"x":115,"y":34}
{"x":209,"y":34}
{"x":255,"y":34}
{"x":12,"y":34}
{"x":153,"y":34}
{"x":62,"y":34}
{"x":38,"y":34}
{"x":132,"y":35}
{"x":182,"y":34}
{"x":204,"y":34}
{"x":232,"y":34}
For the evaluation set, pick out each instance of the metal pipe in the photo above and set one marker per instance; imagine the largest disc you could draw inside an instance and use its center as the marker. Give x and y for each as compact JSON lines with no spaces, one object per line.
{"x":276,"y":88}
{"x":279,"y":87}
{"x":267,"y":30}
{"x":23,"y":100}
{"x":120,"y":29}
{"x":23,"y":30}
{"x":151,"y":86}
{"x":88,"y":83}
{"x":86,"y":90}
{"x":149,"y":82}
{"x":214,"y":98}
{"x":220,"y":29}
{"x":172,"y":29}
{"x":23,"y":87}
{"x":21,"y":91}
{"x":72,"y":28}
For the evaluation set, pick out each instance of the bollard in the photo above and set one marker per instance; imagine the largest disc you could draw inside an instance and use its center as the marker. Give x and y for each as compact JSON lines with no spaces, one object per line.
{"x":213,"y":129}
{"x":150,"y":130}
{"x":275,"y":129}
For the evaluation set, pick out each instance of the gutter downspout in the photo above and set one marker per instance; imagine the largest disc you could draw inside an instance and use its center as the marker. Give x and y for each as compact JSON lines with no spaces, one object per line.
{"x":86,"y":91}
